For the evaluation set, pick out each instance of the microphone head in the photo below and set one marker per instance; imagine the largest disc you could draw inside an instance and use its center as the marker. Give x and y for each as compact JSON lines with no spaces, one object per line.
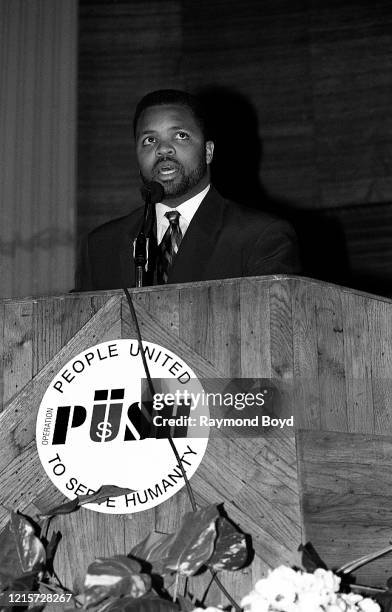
{"x":153,"y":192}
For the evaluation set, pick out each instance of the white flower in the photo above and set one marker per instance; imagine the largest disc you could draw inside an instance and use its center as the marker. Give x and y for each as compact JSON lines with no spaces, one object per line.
{"x":356,"y":603}
{"x":368,"y":605}
{"x":287,"y":590}
{"x":327,"y":579}
{"x":276,"y":592}
{"x":254,"y":602}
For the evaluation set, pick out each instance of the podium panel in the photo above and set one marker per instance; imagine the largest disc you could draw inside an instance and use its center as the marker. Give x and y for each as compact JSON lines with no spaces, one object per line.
{"x":330,"y":348}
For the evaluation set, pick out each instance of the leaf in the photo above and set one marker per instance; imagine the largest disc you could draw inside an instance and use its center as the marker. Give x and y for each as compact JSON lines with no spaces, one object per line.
{"x":26,"y":582}
{"x":94,"y":596}
{"x":118,"y":566}
{"x":231,"y":551}
{"x":98,"y":497}
{"x":310,"y":558}
{"x":30,"y":548}
{"x":115,"y":576}
{"x":154,"y":549}
{"x":194,"y":542}
{"x":103,"y":493}
{"x":103,"y":607}
{"x":21,"y":550}
{"x":185,"y":551}
{"x":348,"y":568}
{"x":51,"y":549}
{"x":65,"y":508}
{"x":10,"y":565}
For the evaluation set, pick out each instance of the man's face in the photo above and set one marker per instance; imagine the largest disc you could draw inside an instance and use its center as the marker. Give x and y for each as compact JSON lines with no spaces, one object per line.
{"x":171,"y":150}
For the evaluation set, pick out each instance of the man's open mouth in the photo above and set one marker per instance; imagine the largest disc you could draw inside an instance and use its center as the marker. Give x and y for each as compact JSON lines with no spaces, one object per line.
{"x":167,"y":171}
{"x":166,"y":168}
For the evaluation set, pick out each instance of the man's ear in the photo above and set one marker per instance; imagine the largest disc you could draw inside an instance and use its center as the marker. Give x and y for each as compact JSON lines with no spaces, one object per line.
{"x":209,"y":151}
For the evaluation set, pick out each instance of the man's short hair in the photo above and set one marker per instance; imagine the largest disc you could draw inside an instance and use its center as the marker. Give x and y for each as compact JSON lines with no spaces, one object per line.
{"x":172,"y":96}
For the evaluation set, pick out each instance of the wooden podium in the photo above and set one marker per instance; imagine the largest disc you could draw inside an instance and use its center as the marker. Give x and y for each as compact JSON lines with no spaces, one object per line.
{"x":328,"y":483}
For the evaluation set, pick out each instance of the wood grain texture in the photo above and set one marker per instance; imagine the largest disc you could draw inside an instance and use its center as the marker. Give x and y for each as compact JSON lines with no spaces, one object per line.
{"x":17,"y":419}
{"x":47,"y":330}
{"x":210,"y":321}
{"x":96,"y":534}
{"x":324,"y":507}
{"x":280,"y":460}
{"x":255,"y":330}
{"x":306,"y":392}
{"x":331,"y":372}
{"x":281,"y":347}
{"x":339,"y":543}
{"x":152,"y":330}
{"x":380,"y":330}
{"x":346,"y":496}
{"x":18,"y":353}
{"x":138,"y":526}
{"x":357,"y":349}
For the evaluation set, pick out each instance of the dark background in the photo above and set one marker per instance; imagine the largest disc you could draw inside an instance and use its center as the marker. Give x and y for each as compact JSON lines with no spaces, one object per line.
{"x":300,"y":97}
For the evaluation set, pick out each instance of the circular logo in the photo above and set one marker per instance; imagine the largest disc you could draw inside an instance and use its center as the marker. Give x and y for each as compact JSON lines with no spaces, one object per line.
{"x":99,"y":424}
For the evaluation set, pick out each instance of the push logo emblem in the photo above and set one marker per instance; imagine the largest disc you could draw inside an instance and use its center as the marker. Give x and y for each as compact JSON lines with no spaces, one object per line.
{"x":95,"y":426}
{"x":107,"y":416}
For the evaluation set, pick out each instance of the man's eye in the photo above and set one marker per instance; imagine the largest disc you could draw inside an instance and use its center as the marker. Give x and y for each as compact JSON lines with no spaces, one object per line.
{"x":182,"y":135}
{"x":148,"y":140}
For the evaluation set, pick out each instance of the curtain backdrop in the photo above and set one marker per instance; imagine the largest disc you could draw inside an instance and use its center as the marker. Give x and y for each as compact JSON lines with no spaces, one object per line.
{"x":38,"y":61}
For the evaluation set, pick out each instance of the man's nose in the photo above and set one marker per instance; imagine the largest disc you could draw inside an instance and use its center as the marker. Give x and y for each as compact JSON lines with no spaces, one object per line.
{"x":165,"y":148}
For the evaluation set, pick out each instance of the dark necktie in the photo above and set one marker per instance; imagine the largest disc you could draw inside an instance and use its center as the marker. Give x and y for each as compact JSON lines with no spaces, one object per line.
{"x":169,"y":246}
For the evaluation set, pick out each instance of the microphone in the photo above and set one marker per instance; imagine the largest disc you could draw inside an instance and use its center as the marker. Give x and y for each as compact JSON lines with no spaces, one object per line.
{"x":152,"y":193}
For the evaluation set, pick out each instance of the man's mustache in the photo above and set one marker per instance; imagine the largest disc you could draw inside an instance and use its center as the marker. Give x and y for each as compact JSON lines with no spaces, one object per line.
{"x":161,"y":161}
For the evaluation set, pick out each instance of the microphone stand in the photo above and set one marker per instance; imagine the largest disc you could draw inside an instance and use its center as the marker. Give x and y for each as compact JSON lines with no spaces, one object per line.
{"x":140,"y":254}
{"x":152,"y":194}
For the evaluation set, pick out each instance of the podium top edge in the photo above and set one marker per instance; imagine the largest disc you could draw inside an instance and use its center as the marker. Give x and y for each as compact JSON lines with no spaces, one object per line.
{"x":267,"y":280}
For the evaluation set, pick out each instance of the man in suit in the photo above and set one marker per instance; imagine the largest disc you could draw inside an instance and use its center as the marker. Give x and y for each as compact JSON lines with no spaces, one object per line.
{"x":198,"y":234}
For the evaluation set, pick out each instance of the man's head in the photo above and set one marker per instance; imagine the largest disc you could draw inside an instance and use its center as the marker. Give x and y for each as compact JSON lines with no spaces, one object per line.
{"x":171,"y":144}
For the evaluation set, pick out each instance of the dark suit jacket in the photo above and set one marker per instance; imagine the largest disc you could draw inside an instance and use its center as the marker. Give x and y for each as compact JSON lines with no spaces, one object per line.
{"x":224,"y":240}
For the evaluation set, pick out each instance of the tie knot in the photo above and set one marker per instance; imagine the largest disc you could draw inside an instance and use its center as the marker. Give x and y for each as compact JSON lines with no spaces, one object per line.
{"x":172,"y":216}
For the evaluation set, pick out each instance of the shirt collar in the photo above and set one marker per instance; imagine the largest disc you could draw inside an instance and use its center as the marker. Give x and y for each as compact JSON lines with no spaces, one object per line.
{"x":187,"y":209}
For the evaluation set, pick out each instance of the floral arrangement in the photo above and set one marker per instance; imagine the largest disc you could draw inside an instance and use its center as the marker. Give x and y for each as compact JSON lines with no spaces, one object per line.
{"x":146,"y":580}
{"x":287,"y":590}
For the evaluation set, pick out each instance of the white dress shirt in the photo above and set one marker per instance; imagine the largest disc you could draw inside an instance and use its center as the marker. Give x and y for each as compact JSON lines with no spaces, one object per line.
{"x":187,"y":210}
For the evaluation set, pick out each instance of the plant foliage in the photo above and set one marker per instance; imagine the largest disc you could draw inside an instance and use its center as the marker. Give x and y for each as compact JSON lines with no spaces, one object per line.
{"x":203,"y":540}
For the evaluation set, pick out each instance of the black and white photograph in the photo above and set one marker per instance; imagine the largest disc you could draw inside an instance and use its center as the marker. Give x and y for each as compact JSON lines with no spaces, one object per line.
{"x":196,"y":305}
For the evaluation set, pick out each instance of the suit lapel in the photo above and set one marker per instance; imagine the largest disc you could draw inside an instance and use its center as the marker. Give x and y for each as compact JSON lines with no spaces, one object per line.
{"x":199,"y":241}
{"x":126,"y":259}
